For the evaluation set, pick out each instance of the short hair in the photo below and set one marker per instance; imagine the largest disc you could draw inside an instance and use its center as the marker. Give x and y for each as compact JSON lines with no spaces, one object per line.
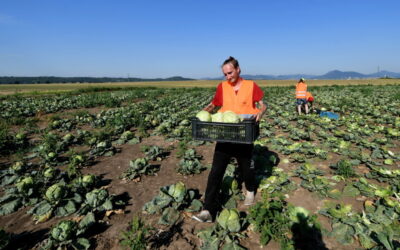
{"x":232,"y":61}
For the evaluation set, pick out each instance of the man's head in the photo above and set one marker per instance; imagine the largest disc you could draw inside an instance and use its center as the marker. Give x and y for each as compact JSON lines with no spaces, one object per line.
{"x":302,"y":80}
{"x":231,"y":70}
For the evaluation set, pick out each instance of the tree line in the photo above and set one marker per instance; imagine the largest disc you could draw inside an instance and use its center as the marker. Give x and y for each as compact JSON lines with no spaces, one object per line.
{"x":55,"y":79}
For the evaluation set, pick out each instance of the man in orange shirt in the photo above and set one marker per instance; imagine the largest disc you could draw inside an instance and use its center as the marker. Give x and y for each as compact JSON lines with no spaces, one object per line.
{"x":301,"y":92}
{"x":240,"y":96}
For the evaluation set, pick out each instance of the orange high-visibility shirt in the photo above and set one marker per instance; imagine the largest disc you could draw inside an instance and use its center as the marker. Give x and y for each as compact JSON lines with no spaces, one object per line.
{"x":301,"y":90}
{"x":241,"y":102}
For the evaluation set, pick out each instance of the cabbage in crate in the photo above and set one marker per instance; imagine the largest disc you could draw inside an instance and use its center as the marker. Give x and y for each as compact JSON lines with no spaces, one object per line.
{"x":230,"y":117}
{"x":204,"y":116}
{"x":217,"y":117}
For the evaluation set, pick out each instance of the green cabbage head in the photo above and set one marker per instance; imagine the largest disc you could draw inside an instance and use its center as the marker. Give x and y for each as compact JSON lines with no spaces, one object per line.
{"x":64,"y":230}
{"x":217,"y":117}
{"x":88,"y":180}
{"x":340,"y":211}
{"x":177,"y":191}
{"x":68,"y":137}
{"x":229,"y":219}
{"x":96,"y":197}
{"x":49,"y":172}
{"x":24,"y":184}
{"x":230,"y":117}
{"x":55,"y":192}
{"x":296,"y":214}
{"x":204,"y":116}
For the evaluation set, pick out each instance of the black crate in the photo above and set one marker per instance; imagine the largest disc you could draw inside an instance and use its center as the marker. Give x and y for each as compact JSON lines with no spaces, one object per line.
{"x":243,"y":132}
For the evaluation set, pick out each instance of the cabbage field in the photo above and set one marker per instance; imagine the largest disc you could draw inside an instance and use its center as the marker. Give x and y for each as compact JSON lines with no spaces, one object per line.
{"x":119,"y":169}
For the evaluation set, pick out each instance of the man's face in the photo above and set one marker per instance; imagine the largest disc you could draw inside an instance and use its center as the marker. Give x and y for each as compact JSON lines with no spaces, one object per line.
{"x":231,"y":74}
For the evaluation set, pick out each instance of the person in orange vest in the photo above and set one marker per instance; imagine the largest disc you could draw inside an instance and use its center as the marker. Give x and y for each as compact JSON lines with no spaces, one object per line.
{"x":301,"y":92}
{"x":242,"y":97}
{"x":310,"y":99}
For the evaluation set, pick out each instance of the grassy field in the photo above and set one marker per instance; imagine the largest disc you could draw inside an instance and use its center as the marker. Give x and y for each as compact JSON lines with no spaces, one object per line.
{"x":9,"y":89}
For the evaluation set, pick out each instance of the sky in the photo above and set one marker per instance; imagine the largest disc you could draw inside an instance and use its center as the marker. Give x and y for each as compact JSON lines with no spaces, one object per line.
{"x":159,"y":38}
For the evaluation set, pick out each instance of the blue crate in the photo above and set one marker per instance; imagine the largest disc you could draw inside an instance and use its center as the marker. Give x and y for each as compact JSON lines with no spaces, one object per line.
{"x":328,"y":114}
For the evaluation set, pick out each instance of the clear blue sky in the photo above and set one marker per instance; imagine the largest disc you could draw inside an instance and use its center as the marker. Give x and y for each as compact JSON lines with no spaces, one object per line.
{"x":159,"y":38}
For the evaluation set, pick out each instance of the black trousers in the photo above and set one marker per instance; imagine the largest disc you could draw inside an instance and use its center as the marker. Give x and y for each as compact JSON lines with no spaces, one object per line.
{"x":222,"y":156}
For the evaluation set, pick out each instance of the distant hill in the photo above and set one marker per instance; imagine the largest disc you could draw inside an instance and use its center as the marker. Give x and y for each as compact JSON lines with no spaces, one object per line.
{"x":55,"y":79}
{"x":385,"y":74}
{"x":278,"y":77}
{"x":332,"y":75}
{"x":337,"y":74}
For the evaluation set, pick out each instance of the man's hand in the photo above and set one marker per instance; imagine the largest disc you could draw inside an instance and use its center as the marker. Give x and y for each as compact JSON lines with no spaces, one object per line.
{"x":258,"y":116}
{"x":209,"y":108}
{"x":263,"y":107}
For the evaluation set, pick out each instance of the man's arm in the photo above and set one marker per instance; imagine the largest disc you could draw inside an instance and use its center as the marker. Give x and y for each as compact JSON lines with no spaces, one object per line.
{"x":262,"y":108}
{"x":210,"y":107}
